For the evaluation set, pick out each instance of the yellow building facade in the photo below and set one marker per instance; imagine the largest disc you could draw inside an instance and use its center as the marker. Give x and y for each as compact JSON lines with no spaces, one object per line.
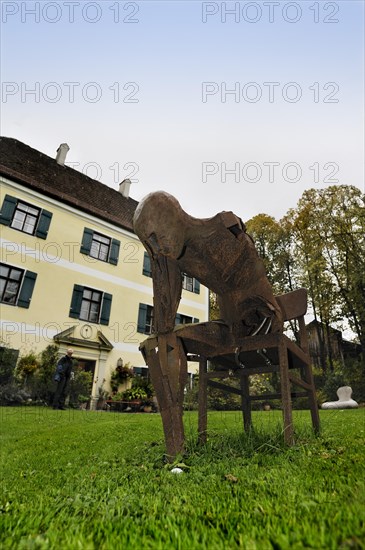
{"x":72,"y":270}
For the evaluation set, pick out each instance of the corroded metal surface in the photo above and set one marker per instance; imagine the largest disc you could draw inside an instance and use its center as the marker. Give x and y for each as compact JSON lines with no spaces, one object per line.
{"x":222,"y":256}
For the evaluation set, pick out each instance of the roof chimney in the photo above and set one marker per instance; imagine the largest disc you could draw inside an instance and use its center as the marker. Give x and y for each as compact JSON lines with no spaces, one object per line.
{"x":61,"y":153}
{"x":124,"y":188}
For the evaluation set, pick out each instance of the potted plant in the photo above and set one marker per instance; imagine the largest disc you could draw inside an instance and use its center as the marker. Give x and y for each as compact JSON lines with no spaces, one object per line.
{"x":147,"y":406}
{"x":120,"y":375}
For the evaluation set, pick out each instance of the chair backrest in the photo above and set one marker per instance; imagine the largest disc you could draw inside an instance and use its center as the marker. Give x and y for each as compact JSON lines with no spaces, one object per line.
{"x":293,"y":304}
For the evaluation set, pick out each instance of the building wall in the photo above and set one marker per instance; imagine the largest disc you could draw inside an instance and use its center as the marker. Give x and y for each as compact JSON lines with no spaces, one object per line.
{"x":59,"y":266}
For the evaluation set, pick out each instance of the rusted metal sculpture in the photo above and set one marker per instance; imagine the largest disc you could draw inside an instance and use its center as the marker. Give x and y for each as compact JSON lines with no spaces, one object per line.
{"x":222,"y":256}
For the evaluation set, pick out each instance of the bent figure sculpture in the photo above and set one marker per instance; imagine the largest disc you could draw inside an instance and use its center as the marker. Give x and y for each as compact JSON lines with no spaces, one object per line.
{"x":222,"y":256}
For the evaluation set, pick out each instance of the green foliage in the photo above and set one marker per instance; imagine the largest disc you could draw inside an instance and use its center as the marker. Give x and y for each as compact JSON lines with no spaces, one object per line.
{"x":329,"y":230}
{"x":355,"y":377}
{"x":134,"y":393}
{"x":261,"y":384}
{"x":118,"y":396}
{"x":35,"y":374}
{"x":27,"y":366}
{"x":320,"y":245}
{"x":120,"y":375}
{"x":34,"y":380}
{"x":213,"y":306}
{"x":69,"y":481}
{"x":223,"y":401}
{"x":351,"y":374}
{"x":42,"y":383}
{"x":274,"y":243}
{"x":145,"y":384}
{"x":8,"y":359}
{"x":191,"y":395}
{"x":80,"y":386}
{"x":219,"y":400}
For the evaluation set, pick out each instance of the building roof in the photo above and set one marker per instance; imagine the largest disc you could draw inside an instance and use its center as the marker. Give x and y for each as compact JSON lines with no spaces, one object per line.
{"x":42,"y":173}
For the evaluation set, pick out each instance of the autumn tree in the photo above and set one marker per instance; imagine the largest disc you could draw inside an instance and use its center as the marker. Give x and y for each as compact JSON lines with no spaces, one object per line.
{"x":329,"y":229}
{"x":274,"y":243}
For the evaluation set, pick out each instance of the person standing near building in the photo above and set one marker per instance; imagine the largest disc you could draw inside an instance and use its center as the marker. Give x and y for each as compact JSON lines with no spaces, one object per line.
{"x":62,"y":377}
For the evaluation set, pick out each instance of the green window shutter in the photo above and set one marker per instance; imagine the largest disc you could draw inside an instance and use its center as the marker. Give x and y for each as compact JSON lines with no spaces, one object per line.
{"x":87,"y":239}
{"x":147,"y":265}
{"x":195,"y":320}
{"x":43,"y":224}
{"x":196,"y":286}
{"x":76,"y":301}
{"x":105,"y":309}
{"x":142,"y":318}
{"x":27,"y":289}
{"x":114,"y":252}
{"x":7,"y":210}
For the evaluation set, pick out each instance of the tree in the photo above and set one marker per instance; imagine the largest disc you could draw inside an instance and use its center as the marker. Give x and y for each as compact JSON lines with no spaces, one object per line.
{"x":329,"y":228}
{"x":274,"y":243}
{"x":8,"y":359}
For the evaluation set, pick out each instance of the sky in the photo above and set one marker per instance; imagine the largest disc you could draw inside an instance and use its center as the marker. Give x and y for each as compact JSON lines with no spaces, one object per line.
{"x":226,"y":105}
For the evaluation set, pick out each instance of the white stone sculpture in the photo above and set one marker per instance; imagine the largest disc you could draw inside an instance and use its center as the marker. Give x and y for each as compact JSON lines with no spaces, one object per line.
{"x":344,"y":400}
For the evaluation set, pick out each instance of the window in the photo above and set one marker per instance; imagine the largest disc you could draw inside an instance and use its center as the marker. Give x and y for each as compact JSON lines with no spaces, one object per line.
{"x":188,"y":283}
{"x":145,"y":319}
{"x":181,"y":319}
{"x":147,"y":265}
{"x":143,"y":372}
{"x":11,"y":279}
{"x":25,"y":217}
{"x":90,"y":305}
{"x":16,"y":285}
{"x":100,"y":246}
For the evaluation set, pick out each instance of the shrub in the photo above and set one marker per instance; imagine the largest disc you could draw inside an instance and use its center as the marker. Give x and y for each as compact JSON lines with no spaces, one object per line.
{"x":43,"y":385}
{"x":143,"y":383}
{"x":12,"y":393}
{"x":27,"y":365}
{"x":8,"y":359}
{"x":134,"y":393}
{"x":191,"y":395}
{"x":355,"y":376}
{"x":80,"y":387}
{"x":34,"y":380}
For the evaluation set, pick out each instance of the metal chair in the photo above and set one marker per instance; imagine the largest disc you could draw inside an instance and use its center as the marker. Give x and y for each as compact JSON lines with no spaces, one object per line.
{"x":262,"y":354}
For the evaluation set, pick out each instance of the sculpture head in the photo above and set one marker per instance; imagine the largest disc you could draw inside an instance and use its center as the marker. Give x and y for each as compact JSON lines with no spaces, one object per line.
{"x":160,"y":223}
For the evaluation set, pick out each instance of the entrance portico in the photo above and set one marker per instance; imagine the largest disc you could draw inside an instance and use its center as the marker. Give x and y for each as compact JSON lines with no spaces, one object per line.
{"x":91,"y":352}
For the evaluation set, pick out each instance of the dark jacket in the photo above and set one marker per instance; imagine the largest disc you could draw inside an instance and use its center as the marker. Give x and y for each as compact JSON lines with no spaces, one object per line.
{"x":64,"y":368}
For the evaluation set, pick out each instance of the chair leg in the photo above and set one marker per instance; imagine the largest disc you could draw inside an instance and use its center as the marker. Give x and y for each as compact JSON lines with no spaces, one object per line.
{"x":168,"y":371}
{"x":203,"y":401}
{"x":312,"y":399}
{"x":246,"y":402}
{"x":285,"y":395}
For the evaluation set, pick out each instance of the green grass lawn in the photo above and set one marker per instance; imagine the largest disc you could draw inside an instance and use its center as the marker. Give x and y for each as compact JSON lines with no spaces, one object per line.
{"x":95,"y":480}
